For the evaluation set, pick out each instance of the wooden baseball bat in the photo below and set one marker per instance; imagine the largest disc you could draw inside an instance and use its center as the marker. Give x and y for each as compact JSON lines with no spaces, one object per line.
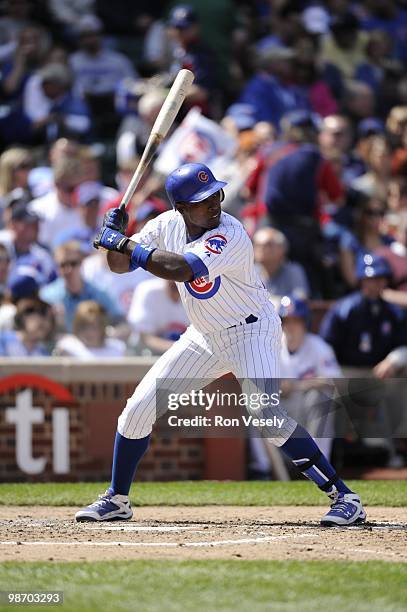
{"x":162,"y":124}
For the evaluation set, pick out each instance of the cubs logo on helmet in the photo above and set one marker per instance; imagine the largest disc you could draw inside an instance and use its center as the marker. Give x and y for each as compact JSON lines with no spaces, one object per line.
{"x":201,"y":288}
{"x":203,"y":176}
{"x":215,"y":244}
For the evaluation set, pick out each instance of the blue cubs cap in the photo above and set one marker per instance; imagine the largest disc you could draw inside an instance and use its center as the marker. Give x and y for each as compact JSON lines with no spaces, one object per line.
{"x":291,"y":306}
{"x":23,"y":212}
{"x":182,"y":16}
{"x":243,"y":115}
{"x":301,"y":118}
{"x":372,"y":266}
{"x":23,"y":283}
{"x":370,"y":126}
{"x":191,"y":183}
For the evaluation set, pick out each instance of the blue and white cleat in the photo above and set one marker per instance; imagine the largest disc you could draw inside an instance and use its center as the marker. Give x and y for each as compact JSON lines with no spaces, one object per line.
{"x":107,"y":508}
{"x":346,"y":510}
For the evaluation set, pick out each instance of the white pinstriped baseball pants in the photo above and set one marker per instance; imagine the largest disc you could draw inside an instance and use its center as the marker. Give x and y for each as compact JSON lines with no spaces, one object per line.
{"x":250,"y":351}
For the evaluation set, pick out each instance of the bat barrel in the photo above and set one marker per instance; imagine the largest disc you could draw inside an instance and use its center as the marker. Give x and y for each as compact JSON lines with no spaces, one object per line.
{"x":165,"y":119}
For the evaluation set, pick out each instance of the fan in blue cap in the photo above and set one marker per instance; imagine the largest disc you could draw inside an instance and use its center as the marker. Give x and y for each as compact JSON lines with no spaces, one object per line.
{"x":291,"y":306}
{"x":372,"y":266}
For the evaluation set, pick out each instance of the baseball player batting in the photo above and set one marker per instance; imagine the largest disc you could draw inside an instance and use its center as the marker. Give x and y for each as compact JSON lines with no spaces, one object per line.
{"x":234,"y":328}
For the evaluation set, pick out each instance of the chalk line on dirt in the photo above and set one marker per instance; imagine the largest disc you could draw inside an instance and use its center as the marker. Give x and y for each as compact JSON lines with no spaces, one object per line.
{"x":257,"y":540}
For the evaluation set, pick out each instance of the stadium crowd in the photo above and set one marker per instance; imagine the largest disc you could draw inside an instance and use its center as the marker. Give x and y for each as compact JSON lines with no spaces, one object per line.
{"x":313,"y":96}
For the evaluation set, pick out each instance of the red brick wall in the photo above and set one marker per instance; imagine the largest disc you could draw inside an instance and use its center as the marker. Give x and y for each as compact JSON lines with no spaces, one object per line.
{"x":92,"y":427}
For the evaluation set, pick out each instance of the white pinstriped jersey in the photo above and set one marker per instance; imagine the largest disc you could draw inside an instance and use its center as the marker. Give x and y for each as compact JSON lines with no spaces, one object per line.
{"x":232,"y":290}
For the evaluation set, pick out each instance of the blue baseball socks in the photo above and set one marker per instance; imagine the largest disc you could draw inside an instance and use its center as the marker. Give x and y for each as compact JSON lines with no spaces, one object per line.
{"x":305,"y":454}
{"x":126,"y":456}
{"x":300,"y":448}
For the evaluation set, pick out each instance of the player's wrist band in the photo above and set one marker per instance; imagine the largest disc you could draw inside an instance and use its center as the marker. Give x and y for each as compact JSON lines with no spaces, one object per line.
{"x":139,"y":257}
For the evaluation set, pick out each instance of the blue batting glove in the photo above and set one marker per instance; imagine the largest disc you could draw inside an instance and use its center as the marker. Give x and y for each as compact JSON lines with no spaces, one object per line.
{"x":110,"y":239}
{"x":117,"y":219}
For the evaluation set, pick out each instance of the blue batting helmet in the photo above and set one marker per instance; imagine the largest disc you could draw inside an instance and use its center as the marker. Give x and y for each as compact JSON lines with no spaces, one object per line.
{"x":291,"y":306}
{"x":191,"y":183}
{"x":371,"y":266}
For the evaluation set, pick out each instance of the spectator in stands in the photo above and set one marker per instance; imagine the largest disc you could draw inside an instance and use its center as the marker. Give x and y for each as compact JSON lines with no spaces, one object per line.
{"x":63,"y":148}
{"x":191,"y":52}
{"x":362,"y":328}
{"x":15,"y":166}
{"x":16,"y":16}
{"x":67,"y":291}
{"x":395,"y":254}
{"x":366,"y":237}
{"x":285,"y":25}
{"x":96,"y":271}
{"x":308,"y":76}
{"x":375,"y":180}
{"x":33,"y":328}
{"x":391,"y":17}
{"x":281,"y":277}
{"x":396,"y":125}
{"x":88,"y":200}
{"x":358,"y":101}
{"x":91,"y":163}
{"x":136,"y":125}
{"x":58,"y":54}
{"x":270,"y":90}
{"x":158,"y":48}
{"x":336,"y":134}
{"x":15,"y":197}
{"x":4,"y":271}
{"x":20,"y":238}
{"x":157,"y":314}
{"x":296,"y":180}
{"x":22,"y":284}
{"x":378,"y":50}
{"x":41,"y":179}
{"x":220,"y":26}
{"x":54,"y":109}
{"x":366,"y":131}
{"x":98,"y":72}
{"x":399,"y":164}
{"x":89,"y":339}
{"x":32,"y":47}
{"x":57,"y":209}
{"x":307,"y":362}
{"x":345,"y":46}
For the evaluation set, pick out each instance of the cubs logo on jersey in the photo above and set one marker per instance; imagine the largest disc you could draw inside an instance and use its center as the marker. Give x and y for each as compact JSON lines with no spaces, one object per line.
{"x":201,"y":288}
{"x":215,"y":244}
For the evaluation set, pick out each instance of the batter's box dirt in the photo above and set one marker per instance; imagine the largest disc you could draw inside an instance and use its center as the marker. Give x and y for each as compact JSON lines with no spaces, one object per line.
{"x":222,"y":532}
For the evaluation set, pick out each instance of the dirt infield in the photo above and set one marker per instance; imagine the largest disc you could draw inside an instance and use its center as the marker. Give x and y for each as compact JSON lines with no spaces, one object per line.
{"x":221,"y":532}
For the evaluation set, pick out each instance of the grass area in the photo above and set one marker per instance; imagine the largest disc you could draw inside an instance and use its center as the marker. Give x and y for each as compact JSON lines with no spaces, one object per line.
{"x":238,"y":585}
{"x":254,"y":493}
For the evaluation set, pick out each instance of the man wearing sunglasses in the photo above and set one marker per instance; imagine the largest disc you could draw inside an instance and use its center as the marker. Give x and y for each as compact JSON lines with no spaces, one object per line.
{"x":70,"y":288}
{"x":57,"y":209}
